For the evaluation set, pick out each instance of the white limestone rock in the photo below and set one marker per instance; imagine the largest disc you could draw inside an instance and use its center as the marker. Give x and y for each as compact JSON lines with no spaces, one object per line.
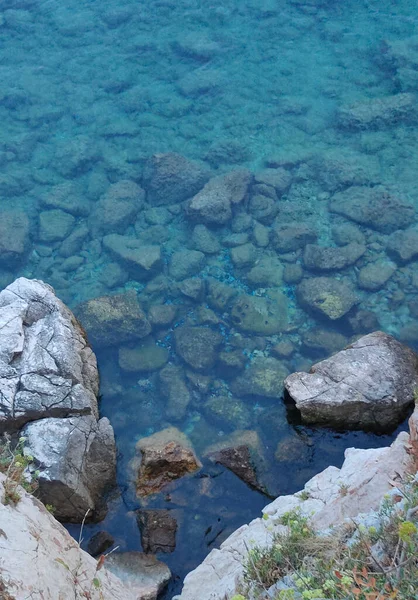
{"x":368,"y":385}
{"x":40,"y":560}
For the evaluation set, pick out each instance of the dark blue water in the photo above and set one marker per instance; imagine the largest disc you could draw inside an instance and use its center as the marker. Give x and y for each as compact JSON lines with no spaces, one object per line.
{"x":316,"y":99}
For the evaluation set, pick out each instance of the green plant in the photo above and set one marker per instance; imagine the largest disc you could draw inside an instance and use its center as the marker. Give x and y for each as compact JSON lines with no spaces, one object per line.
{"x":344,"y":565}
{"x":304,"y":495}
{"x":14,"y":464}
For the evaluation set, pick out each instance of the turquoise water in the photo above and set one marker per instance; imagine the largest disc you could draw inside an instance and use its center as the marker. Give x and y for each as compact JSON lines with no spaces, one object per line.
{"x":91,"y":91}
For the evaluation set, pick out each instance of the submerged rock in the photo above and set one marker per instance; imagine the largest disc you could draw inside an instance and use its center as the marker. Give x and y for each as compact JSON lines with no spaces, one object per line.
{"x":374,"y":207}
{"x":319,"y":258}
{"x":230,"y":411}
{"x":146,"y":356}
{"x":369,"y":385}
{"x":117,"y":208}
{"x":170,"y":178}
{"x":288,"y":237}
{"x":403,"y":245}
{"x":375,"y":113}
{"x":332,"y":298}
{"x":186,"y":263}
{"x":263,"y":377}
{"x":54,"y":225}
{"x":373,"y":276}
{"x":165,"y":456}
{"x":173,"y":386}
{"x":14,"y":237}
{"x":198,"y":346}
{"x":263,"y":316}
{"x":141,"y":260}
{"x":158,"y":530}
{"x":142,"y":574}
{"x":99,"y":543}
{"x":113,"y":320}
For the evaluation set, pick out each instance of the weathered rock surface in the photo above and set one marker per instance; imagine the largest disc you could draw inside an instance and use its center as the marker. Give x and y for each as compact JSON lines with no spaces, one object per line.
{"x":239,"y":460}
{"x":145,"y":356}
{"x":141,"y":260}
{"x":376,"y":113}
{"x":260,"y":315}
{"x":118,"y":208}
{"x":174,"y":388}
{"x":39,"y":558}
{"x":171,"y":178}
{"x":165,"y":456}
{"x":186,"y":263}
{"x":158,"y":530}
{"x":369,"y":385}
{"x":373,"y":276}
{"x":143,"y":575}
{"x":47,"y":368}
{"x":374,"y":207}
{"x":76,"y":458}
{"x":198,"y":346}
{"x":319,"y":258}
{"x":262,"y":377}
{"x":367,"y":474}
{"x":14,"y":237}
{"x":403,"y":245}
{"x":112,"y":320}
{"x":332,"y":298}
{"x":213,"y":204}
{"x":288,"y":237}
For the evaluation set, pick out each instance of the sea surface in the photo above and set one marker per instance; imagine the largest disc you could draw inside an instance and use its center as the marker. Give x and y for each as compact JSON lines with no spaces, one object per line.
{"x":114,"y":115}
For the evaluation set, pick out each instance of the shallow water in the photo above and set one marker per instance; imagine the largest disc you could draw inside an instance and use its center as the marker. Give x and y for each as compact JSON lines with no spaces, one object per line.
{"x":90,"y":91}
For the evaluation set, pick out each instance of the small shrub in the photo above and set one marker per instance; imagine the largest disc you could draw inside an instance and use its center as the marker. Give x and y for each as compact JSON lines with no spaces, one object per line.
{"x":13,"y":463}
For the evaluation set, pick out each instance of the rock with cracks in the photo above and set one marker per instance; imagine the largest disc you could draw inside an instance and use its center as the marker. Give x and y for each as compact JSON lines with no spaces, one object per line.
{"x":49,"y":384}
{"x":76,"y":458}
{"x":369,"y":385}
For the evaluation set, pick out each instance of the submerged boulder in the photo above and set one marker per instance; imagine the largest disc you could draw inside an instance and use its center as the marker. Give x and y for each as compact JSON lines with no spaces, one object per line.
{"x":374,"y":207}
{"x":165,"y":456}
{"x":369,"y":385}
{"x":329,"y":297}
{"x":198,"y":346}
{"x":260,"y":315}
{"x":112,"y":320}
{"x":142,"y":574}
{"x":14,"y":237}
{"x":263,"y":377}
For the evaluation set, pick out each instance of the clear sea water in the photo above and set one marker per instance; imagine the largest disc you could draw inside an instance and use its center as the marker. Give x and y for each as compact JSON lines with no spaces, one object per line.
{"x":91,"y":90}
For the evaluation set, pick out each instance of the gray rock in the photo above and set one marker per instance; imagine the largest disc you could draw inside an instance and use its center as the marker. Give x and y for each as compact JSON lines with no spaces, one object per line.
{"x":193,"y":288}
{"x":292,"y":273}
{"x":146,"y":356}
{"x":198,"y":346}
{"x":172,"y":386}
{"x":158,"y":530}
{"x":267,"y":272}
{"x":74,"y":242}
{"x":319,"y":342}
{"x":99,"y":543}
{"x":141,"y":261}
{"x":225,"y":410}
{"x":113,"y":320}
{"x":162,"y":315}
{"x":262,"y":377}
{"x":14,"y":237}
{"x":369,"y":385}
{"x":170,"y":178}
{"x":244,"y":256}
{"x":68,"y":198}
{"x":373,"y":276}
{"x":319,"y":258}
{"x":141,"y":573}
{"x":117,"y":208}
{"x":263,"y":208}
{"x":76,"y":458}
{"x":279,"y":179}
{"x":112,"y":275}
{"x":261,"y":235}
{"x":235,"y":239}
{"x":219,"y":294}
{"x":288,"y":237}
{"x":205,"y":241}
{"x":213,"y":204}
{"x":186,"y":263}
{"x":374,"y":207}
{"x":263,"y":316}
{"x":54,"y":225}
{"x":46,"y":365}
{"x":403,"y":245}
{"x":377,"y":113}
{"x":332,"y":298}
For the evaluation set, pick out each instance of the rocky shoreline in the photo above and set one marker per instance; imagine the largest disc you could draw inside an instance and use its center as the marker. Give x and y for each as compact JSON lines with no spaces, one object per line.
{"x":49,"y":387}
